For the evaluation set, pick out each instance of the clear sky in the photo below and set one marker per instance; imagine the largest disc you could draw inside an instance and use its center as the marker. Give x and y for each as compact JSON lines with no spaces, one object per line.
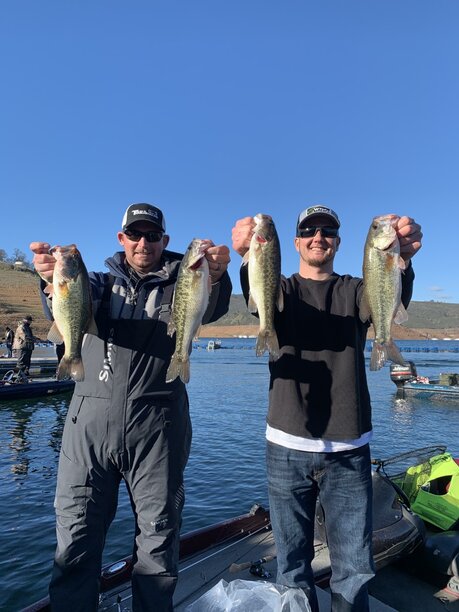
{"x":215,"y":110}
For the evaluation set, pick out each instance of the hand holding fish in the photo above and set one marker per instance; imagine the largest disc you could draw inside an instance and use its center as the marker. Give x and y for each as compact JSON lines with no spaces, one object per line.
{"x":409,"y":236}
{"x":191,"y":297}
{"x":242,"y":235}
{"x":218,"y":257}
{"x":43,"y":261}
{"x":382,"y":285}
{"x":255,"y":238}
{"x":68,"y":283}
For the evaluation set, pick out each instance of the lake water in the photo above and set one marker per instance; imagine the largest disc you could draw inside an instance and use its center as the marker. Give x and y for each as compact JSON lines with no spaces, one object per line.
{"x":225,"y":474}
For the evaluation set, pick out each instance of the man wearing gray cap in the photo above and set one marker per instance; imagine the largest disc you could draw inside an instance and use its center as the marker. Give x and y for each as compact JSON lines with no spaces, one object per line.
{"x":319,"y":419}
{"x":125,"y":421}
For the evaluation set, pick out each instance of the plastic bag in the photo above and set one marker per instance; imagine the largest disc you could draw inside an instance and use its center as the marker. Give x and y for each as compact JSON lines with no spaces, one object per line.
{"x":250,"y":596}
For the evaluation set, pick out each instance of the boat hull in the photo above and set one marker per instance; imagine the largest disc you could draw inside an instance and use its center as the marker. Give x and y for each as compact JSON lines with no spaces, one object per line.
{"x":428,"y":391}
{"x":38,"y":388}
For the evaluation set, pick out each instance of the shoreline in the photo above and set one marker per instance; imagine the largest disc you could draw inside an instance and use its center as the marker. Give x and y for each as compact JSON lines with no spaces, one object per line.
{"x":399,"y":332}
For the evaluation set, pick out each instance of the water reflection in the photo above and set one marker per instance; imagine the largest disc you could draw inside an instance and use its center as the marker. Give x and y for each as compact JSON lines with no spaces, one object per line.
{"x":25,"y":424}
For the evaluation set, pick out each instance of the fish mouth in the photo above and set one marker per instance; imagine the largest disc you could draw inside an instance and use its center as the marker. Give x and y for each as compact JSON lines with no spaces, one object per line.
{"x":261,"y":239}
{"x":390,"y":246}
{"x":61,"y":250}
{"x":196,"y":264}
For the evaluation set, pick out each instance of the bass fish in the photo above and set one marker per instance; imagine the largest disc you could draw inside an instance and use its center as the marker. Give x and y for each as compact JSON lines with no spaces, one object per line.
{"x":191,"y":297}
{"x":382,"y":289}
{"x":264,"y":261}
{"x":72,"y":309}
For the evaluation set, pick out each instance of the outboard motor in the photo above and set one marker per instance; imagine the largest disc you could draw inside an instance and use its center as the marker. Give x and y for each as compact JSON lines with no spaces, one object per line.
{"x":400,"y":374}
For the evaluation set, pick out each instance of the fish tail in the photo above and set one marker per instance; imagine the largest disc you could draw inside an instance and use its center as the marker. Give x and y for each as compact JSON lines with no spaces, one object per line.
{"x":267,"y":340}
{"x":70,"y":367}
{"x":178,"y":367}
{"x":378,"y":356}
{"x":382,"y":352}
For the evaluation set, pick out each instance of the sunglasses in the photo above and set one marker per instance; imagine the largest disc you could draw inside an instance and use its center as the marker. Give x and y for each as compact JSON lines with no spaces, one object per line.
{"x":309,"y":232}
{"x":136,"y":236}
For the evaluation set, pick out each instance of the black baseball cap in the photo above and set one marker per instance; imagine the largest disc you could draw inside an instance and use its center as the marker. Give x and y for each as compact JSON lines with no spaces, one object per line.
{"x":143,"y":212}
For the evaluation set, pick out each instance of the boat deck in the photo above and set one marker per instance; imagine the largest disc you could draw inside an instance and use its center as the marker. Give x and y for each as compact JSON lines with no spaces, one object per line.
{"x":391,"y":589}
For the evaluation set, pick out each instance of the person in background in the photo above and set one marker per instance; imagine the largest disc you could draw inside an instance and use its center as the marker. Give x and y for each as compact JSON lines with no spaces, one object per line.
{"x":125,"y":421}
{"x":9,"y":339}
{"x":24,"y":344}
{"x":319,"y":420}
{"x":60,"y":352}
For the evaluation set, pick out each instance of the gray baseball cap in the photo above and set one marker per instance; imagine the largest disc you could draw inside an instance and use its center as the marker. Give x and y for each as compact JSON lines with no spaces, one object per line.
{"x":315,"y":211}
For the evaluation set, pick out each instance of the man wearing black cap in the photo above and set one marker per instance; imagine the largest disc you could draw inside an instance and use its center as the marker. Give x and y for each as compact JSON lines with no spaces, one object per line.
{"x":24,"y":345}
{"x":125,"y":421}
{"x":319,"y":420}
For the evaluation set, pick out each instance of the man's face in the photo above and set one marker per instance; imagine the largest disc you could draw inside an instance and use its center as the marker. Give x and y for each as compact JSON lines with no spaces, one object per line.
{"x":317,"y":250}
{"x":143,"y":256}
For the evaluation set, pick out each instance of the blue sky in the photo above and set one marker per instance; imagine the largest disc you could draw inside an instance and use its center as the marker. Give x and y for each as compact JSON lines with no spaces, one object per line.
{"x":214,"y":110}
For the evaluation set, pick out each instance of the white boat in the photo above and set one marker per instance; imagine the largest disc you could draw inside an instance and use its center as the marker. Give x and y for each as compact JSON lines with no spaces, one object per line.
{"x":212,"y":345}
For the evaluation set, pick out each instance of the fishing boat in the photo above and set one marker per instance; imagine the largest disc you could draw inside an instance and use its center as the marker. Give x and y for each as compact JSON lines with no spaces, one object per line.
{"x":241,"y":551}
{"x":410,"y":384}
{"x":39,"y":366}
{"x":14,"y":386}
{"x":213,"y":345}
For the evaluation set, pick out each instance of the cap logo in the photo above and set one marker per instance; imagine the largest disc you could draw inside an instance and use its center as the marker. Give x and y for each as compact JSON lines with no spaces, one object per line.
{"x":319,"y":209}
{"x":152,"y":213}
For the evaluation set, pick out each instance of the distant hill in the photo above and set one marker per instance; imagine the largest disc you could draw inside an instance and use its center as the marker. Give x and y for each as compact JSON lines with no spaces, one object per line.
{"x":19,"y":296}
{"x":421,"y":315}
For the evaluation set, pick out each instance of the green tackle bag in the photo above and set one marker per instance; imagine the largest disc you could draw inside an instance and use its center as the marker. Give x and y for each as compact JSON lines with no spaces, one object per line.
{"x":433,"y":490}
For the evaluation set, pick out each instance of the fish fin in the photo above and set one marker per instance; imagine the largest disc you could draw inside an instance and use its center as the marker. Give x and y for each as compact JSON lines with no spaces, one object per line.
{"x":402,"y":263}
{"x":378,"y":356}
{"x":245,"y":258}
{"x":280,"y":300}
{"x":267,"y":340}
{"x":49,"y":289}
{"x":54,"y":335}
{"x":178,"y":367}
{"x":251,"y":305}
{"x":364,"y":310}
{"x":70,"y":368}
{"x":171,"y":329}
{"x":92,"y":327}
{"x":393,"y":353}
{"x":401,"y":315}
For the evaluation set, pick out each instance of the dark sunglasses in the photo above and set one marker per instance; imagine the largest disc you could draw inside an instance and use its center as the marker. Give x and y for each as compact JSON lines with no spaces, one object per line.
{"x":136,"y":236}
{"x":309,"y":232}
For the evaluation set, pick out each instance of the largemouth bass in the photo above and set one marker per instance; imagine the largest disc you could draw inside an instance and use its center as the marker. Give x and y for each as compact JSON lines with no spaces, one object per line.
{"x":382,"y":289}
{"x":191,"y":297}
{"x":264,"y":261}
{"x":72,"y":309}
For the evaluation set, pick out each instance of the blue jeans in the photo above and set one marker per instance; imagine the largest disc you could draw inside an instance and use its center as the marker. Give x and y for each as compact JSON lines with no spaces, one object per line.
{"x":343,"y":483}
